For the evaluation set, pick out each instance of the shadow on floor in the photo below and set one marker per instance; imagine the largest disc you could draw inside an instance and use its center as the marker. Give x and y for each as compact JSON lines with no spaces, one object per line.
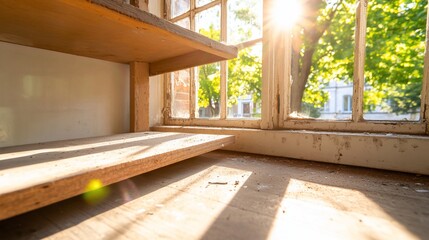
{"x":71,"y":212}
{"x":252,"y":210}
{"x":401,"y":196}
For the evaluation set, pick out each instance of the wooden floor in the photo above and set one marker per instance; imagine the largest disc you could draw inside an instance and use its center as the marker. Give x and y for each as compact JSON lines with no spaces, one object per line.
{"x":224,"y":195}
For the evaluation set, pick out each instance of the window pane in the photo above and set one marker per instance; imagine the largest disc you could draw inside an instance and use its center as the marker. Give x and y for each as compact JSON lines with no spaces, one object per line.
{"x":347,"y":103}
{"x":207,"y":23}
{"x":244,"y":20}
{"x":180,"y":86}
{"x":208,"y":86}
{"x":394,"y":59}
{"x":203,"y":2}
{"x":185,"y":23}
{"x":180,"y":89}
{"x":244,"y":83}
{"x":179,"y":7}
{"x":322,"y":60}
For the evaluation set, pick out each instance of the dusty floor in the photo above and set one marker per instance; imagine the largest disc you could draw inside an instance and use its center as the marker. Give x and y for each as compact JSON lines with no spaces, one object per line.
{"x":224,"y":195}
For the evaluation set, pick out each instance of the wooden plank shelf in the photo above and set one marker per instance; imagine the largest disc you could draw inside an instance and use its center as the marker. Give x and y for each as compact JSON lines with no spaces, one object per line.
{"x":109,"y":30}
{"x":33,"y":176}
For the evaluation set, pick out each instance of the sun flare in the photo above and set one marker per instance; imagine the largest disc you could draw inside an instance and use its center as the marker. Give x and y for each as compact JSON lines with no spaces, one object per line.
{"x":286,"y":12}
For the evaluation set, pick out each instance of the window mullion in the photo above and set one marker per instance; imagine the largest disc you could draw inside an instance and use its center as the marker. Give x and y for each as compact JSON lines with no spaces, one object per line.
{"x":359,"y":77}
{"x":207,"y":6}
{"x":193,"y":96}
{"x":424,"y":112}
{"x":268,"y":89}
{"x":180,"y":17}
{"x":223,"y":64}
{"x":167,"y":9}
{"x":168,"y":91}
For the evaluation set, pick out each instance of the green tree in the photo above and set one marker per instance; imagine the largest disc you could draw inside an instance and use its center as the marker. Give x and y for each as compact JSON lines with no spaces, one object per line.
{"x":323,"y":50}
{"x":395,"y":53}
{"x":244,"y":76}
{"x":209,"y":78}
{"x":209,"y":89}
{"x":244,"y":72}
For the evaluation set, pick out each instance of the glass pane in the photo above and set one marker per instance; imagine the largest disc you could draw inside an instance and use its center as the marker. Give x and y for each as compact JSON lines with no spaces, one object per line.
{"x":203,"y":2}
{"x":180,"y":90}
{"x":244,"y":83}
{"x":179,"y":7}
{"x":185,"y":23}
{"x":208,"y":86}
{"x":244,"y":20}
{"x":207,"y":23}
{"x":322,"y":60}
{"x":394,"y":59}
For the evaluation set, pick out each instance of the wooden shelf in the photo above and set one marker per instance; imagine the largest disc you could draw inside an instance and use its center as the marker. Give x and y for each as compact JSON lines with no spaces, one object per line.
{"x":108,"y":30}
{"x":36,"y":175}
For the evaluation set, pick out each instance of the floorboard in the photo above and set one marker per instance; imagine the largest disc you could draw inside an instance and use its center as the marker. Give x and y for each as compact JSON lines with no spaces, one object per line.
{"x":226,"y":195}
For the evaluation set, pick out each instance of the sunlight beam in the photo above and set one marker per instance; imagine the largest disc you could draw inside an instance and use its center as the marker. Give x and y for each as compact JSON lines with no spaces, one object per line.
{"x":286,"y":13}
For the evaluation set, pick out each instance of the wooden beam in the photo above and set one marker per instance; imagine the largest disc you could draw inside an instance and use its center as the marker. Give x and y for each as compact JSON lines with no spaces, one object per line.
{"x":268,"y":89}
{"x":195,"y":58}
{"x":33,"y":176}
{"x":359,"y":78}
{"x":85,"y":28}
{"x":215,"y":122}
{"x":139,"y":97}
{"x":223,"y":64}
{"x":247,"y":44}
{"x":424,"y":112}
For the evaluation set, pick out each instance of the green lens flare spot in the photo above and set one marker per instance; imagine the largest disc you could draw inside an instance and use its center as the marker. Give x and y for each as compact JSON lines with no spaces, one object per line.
{"x":95,"y":192}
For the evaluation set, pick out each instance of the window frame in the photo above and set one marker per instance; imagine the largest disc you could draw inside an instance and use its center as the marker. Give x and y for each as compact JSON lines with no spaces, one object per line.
{"x":357,"y":122}
{"x":223,"y":120}
{"x":347,"y":103}
{"x":276,"y":83}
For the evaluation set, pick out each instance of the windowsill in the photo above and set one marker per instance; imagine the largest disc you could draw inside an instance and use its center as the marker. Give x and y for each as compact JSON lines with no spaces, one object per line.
{"x":398,"y":152}
{"x":311,"y":132}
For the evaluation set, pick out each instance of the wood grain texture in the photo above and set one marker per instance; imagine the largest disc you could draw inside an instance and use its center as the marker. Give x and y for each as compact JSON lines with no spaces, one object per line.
{"x":397,"y":152}
{"x":103,"y":29}
{"x":424,"y":115}
{"x":359,"y":64}
{"x":33,"y":176}
{"x":184,"y":61}
{"x":263,"y":198}
{"x":139,"y":97}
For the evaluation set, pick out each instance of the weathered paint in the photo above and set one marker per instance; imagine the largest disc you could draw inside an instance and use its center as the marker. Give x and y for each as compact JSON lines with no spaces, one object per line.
{"x":404,"y":153}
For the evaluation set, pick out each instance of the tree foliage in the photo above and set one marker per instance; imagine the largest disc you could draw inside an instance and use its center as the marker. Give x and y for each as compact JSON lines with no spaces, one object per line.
{"x":244,"y":76}
{"x":324,"y":51}
{"x":395,"y":52}
{"x":244,"y":72}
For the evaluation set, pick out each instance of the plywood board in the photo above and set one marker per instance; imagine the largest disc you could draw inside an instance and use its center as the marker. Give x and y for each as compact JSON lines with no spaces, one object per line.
{"x":36,"y":175}
{"x":105,"y":29}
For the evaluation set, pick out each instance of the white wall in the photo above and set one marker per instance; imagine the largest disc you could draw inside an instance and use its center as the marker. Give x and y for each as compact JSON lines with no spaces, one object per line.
{"x":156,"y":97}
{"x":46,"y":96}
{"x":396,"y":152}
